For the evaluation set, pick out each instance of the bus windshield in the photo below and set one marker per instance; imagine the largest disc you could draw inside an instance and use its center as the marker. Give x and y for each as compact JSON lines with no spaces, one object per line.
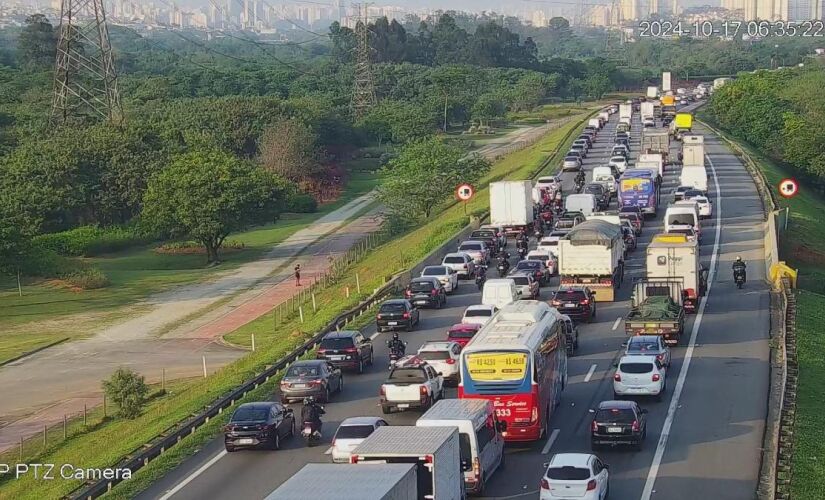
{"x":497,"y":366}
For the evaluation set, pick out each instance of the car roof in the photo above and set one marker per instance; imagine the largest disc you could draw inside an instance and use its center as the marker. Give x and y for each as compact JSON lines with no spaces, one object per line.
{"x":395,"y":301}
{"x":457,"y":254}
{"x":434,"y":266}
{"x":618,"y":404}
{"x":463,"y":327}
{"x":258,"y":404}
{"x":437,"y":345}
{"x":342,"y":334}
{"x":428,"y":279}
{"x":645,"y":338}
{"x":472,"y":241}
{"x":570,"y":460}
{"x":360,"y":421}
{"x":479,"y":307}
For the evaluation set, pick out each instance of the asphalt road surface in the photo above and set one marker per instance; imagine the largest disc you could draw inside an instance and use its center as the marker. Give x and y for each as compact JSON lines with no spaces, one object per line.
{"x":703,"y":440}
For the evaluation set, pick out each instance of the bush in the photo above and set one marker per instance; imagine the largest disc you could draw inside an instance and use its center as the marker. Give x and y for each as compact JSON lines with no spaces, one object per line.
{"x":88,"y":241}
{"x":45,"y":262}
{"x":302,"y":203}
{"x":87,"y":278}
{"x":128,"y":391}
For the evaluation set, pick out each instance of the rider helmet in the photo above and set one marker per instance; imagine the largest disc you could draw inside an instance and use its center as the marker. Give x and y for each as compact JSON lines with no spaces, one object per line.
{"x":309,"y":400}
{"x":738,"y":259}
{"x":395,"y":336}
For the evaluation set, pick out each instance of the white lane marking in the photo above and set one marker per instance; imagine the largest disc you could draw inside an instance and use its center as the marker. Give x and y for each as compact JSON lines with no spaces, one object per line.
{"x":616,"y":323}
{"x":550,"y":441}
{"x":680,"y":384}
{"x":374,"y":335}
{"x":191,"y":477}
{"x":329,"y":451}
{"x":590,"y":373}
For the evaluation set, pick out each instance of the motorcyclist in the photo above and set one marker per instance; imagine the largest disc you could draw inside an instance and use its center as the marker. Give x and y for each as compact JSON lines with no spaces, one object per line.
{"x":311,"y":412}
{"x":580,"y":177}
{"x":397,"y":345}
{"x":739,"y":266}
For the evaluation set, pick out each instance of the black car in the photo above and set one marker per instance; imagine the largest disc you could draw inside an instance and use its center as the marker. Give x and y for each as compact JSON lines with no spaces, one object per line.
{"x":618,"y":422}
{"x":488,"y":236}
{"x":575,"y":301}
{"x":692,"y":193}
{"x":426,"y":291}
{"x":602,"y":195}
{"x":262,"y":424}
{"x":346,"y":349}
{"x":537,"y":268}
{"x":396,"y":314}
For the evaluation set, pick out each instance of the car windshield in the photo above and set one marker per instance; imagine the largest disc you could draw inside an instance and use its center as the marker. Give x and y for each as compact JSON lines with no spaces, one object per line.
{"x":408,"y":375}
{"x":531,"y":265}
{"x":250,"y":414}
{"x":483,"y":234}
{"x":434,"y":355}
{"x":392,"y":308}
{"x":461,"y":334}
{"x":571,"y":158}
{"x":454,"y":260}
{"x":434,"y":271}
{"x":478,"y":313}
{"x":568,"y":473}
{"x":594,"y":189}
{"x":615,"y":416}
{"x":636,"y":367}
{"x":302,"y":371}
{"x":470,"y":246}
{"x":353,"y":432}
{"x":421,"y":286}
{"x":643,"y":346}
{"x":534,"y":258}
{"x":569,"y":295}
{"x":336,"y":343}
{"x":521,"y":280}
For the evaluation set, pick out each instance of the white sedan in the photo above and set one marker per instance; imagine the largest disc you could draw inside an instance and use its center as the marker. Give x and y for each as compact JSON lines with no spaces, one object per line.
{"x":575,"y":475}
{"x":478,"y":314}
{"x":547,"y":256}
{"x":639,"y":375}
{"x":447,"y":276}
{"x":460,"y":262}
{"x":443,"y":356}
{"x":619,"y":162}
{"x":705,"y":206}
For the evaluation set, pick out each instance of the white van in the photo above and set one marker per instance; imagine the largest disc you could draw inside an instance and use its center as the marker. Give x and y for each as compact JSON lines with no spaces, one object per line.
{"x":584,"y":203}
{"x":604,"y":175}
{"x":696,"y":176}
{"x":683,"y":213}
{"x":481,"y":444}
{"x":499,"y":292}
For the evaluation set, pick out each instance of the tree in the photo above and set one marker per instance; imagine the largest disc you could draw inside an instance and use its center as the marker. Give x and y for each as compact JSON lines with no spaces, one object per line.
{"x":14,"y":240}
{"x":207,"y":195}
{"x":289,"y":149}
{"x":597,"y":85}
{"x":37,"y":43}
{"x":128,"y":390}
{"x":489,"y":107}
{"x":343,"y":42}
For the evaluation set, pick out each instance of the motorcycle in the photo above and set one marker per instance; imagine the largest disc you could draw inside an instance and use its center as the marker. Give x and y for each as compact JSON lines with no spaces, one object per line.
{"x":481,"y":277}
{"x":503,"y":267}
{"x":395,"y":354}
{"x":739,"y":277}
{"x":522,"y":252}
{"x":311,"y":435}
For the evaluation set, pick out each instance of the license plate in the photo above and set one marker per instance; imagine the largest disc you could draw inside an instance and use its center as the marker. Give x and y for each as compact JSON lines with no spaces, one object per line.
{"x":246,"y":441}
{"x":614,"y":430}
{"x":337,"y":358}
{"x":420,"y":302}
{"x":299,"y":386}
{"x":404,"y":405}
{"x":392,"y":323}
{"x":569,"y":305}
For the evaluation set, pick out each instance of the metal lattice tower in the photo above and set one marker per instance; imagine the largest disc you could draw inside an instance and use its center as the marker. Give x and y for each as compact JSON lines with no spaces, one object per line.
{"x":85,"y":81}
{"x":363,"y":91}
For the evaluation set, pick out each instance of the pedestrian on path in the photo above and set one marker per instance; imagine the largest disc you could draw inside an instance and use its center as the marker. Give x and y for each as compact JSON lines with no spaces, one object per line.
{"x":297,"y":274}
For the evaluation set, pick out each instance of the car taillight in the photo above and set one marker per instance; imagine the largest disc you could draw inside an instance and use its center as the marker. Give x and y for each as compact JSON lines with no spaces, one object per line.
{"x":451,"y":361}
{"x":534,"y":415}
{"x":464,"y":266}
{"x":591,"y":485}
{"x":316,"y":382}
{"x":617,"y":377}
{"x":545,"y":484}
{"x":284,"y":383}
{"x":635,"y":426}
{"x":660,"y":357}
{"x":351,"y":349}
{"x":422,"y":390}
{"x":476,"y":467}
{"x":656,"y":377}
{"x":406,"y":315}
{"x":594,"y":426}
{"x":584,"y":302}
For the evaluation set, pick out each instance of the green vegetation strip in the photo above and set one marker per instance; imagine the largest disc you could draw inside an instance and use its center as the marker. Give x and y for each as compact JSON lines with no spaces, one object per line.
{"x":124,"y":436}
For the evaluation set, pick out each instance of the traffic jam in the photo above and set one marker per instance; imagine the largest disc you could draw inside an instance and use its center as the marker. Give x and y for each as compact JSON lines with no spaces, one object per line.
{"x":460,"y":390}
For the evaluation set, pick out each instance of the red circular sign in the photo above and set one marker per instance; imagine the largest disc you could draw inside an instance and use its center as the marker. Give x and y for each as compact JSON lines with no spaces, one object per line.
{"x":788,"y":188}
{"x":464,"y":192}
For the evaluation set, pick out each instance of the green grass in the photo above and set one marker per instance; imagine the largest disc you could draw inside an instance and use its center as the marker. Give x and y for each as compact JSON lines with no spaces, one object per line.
{"x":122,"y":437}
{"x":49,"y":310}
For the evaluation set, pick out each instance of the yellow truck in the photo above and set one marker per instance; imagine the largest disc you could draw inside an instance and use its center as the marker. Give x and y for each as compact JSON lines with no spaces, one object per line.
{"x":683,"y":121}
{"x":668,"y":100}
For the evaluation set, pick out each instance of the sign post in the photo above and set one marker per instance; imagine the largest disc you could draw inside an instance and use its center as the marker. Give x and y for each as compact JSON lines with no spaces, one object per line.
{"x":464,"y":192}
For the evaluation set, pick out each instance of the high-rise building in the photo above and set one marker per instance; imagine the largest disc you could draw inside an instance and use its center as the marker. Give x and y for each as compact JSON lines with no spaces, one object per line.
{"x":599,"y":15}
{"x":804,"y":10}
{"x":628,"y":10}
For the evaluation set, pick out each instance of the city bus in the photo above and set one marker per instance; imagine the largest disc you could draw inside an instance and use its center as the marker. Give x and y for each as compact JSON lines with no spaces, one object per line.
{"x":639,"y":188}
{"x":518,"y":360}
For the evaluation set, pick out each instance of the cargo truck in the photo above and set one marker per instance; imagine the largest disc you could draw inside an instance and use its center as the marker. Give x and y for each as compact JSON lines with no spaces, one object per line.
{"x":351,"y":482}
{"x":652,"y":92}
{"x":657,"y":309}
{"x":592,"y":254}
{"x":681,"y":125}
{"x":652,"y":159}
{"x":666,"y":81}
{"x":693,"y":151}
{"x":511,"y":206}
{"x":625,"y":111}
{"x":674,"y":256}
{"x":595,"y":122}
{"x":657,"y":109}
{"x":646,"y":110}
{"x":656,"y":142}
{"x":433,"y":450}
{"x":604,"y":116}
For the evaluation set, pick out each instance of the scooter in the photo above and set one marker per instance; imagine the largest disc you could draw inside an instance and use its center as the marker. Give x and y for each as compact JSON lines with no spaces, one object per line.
{"x":739,"y":277}
{"x":312,"y":437}
{"x":395,"y":355}
{"x":503,"y":268}
{"x":522,"y":253}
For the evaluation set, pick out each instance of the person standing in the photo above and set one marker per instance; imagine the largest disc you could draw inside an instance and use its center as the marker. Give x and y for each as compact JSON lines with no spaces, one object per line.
{"x":297,"y":274}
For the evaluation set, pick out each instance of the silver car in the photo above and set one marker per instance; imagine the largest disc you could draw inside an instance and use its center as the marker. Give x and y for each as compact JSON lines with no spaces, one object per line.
{"x":571,"y":163}
{"x":461,"y":263}
{"x":528,"y":288}
{"x":476,"y":249}
{"x":447,"y":276}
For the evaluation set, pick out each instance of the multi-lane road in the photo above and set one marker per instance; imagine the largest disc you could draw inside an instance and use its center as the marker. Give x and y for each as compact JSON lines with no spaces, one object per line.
{"x":703,"y":440}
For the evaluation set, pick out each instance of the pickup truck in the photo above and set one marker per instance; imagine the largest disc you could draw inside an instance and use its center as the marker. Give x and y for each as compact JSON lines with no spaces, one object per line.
{"x":657,"y":309}
{"x":412,"y":383}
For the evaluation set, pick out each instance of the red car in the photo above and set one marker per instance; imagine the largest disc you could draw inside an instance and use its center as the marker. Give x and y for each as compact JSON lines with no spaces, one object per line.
{"x":462,"y":333}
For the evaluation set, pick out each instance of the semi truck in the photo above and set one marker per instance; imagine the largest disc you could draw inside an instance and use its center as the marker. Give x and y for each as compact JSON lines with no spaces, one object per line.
{"x":656,"y":141}
{"x":625,"y":111}
{"x":511,"y":205}
{"x":674,"y":256}
{"x":592,"y":254}
{"x":434,"y":451}
{"x":693,"y":151}
{"x":351,"y":482}
{"x":657,"y":309}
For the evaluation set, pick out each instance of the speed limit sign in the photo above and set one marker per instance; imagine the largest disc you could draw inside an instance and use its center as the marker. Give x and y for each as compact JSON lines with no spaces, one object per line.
{"x":464,"y":192}
{"x":788,"y":188}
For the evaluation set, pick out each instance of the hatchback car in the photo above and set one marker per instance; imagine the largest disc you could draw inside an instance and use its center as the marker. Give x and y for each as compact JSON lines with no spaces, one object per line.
{"x":443,"y":356}
{"x":618,"y":422}
{"x":649,"y":345}
{"x":346,"y":349}
{"x":426,"y":292}
{"x":575,"y":301}
{"x":583,"y":143}
{"x":705,"y":207}
{"x":396,"y":314}
{"x":575,"y":475}
{"x":527,"y":286}
{"x":587,"y":138}
{"x":478,"y":250}
{"x":537,"y":268}
{"x":447,"y":276}
{"x":639,"y":376}
{"x":461,"y":263}
{"x":315,"y":377}
{"x":259,"y":424}
{"x":648,"y":122}
{"x":352,"y":432}
{"x":462,"y":333}
{"x":551,"y":262}
{"x":571,"y":163}
{"x":479,"y":314}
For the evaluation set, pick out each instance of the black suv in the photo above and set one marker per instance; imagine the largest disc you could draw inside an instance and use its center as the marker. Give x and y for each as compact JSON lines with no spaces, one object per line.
{"x":396,"y":314}
{"x":346,"y":349}
{"x":618,"y":422}
{"x":575,"y":301}
{"x":258,"y":424}
{"x":602,"y":195}
{"x":426,"y":291}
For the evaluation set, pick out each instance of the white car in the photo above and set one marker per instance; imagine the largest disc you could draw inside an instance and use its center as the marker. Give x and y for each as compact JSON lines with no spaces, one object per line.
{"x":649,"y":345}
{"x":478,"y":314}
{"x":413,"y":383}
{"x":476,"y":249}
{"x":443,"y":356}
{"x":447,"y":276}
{"x":461,"y":263}
{"x":618,"y":162}
{"x":648,"y":122}
{"x":351,"y":433}
{"x":571,"y":163}
{"x":551,"y":241}
{"x":639,"y":376}
{"x":551,"y":182}
{"x":549,"y":258}
{"x":575,"y":475}
{"x":705,"y":206}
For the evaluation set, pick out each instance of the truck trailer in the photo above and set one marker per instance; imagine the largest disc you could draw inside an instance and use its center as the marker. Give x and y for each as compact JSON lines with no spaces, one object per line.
{"x":592,"y":254}
{"x":656,"y":141}
{"x":511,"y":205}
{"x":625,"y":111}
{"x":350,"y":482}
{"x":693,"y":151}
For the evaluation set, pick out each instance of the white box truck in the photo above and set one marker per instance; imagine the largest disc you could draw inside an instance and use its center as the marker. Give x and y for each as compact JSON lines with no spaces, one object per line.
{"x":350,"y":482}
{"x":652,"y":92}
{"x":666,"y":81}
{"x":674,"y":256}
{"x":604,"y":116}
{"x":693,"y":151}
{"x":433,"y":450}
{"x":511,"y":205}
{"x":625,"y":111}
{"x":594,"y":122}
{"x":652,"y":159}
{"x":646,"y":110}
{"x":697,"y":177}
{"x":592,"y":254}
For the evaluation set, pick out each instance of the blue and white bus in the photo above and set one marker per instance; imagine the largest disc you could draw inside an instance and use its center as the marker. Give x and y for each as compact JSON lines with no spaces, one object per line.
{"x":639,"y":188}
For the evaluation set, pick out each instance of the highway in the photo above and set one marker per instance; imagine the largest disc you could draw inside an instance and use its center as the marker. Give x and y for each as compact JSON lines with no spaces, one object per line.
{"x":703,"y":440}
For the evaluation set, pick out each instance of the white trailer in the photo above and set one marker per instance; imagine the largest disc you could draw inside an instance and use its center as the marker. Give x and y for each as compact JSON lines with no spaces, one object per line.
{"x":655,"y":159}
{"x":666,"y":81}
{"x":592,"y":254}
{"x":674,"y":256}
{"x":720,"y":82}
{"x":594,"y":122}
{"x":693,"y":151}
{"x":696,"y":176}
{"x":511,"y":205}
{"x":433,"y":450}
{"x":350,"y":482}
{"x":604,"y":116}
{"x":652,"y":92}
{"x":647,"y":109}
{"x":625,"y":111}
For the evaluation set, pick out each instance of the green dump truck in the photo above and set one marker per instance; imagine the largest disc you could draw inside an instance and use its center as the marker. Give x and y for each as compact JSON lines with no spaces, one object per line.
{"x":657,"y":308}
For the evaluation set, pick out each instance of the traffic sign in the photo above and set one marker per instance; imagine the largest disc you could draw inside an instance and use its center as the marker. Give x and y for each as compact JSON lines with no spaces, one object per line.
{"x":788,"y":188}
{"x":464,"y":192}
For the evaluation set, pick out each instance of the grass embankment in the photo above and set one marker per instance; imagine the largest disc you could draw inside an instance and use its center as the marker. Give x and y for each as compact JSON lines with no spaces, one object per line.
{"x":122,"y":437}
{"x":49,"y":311}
